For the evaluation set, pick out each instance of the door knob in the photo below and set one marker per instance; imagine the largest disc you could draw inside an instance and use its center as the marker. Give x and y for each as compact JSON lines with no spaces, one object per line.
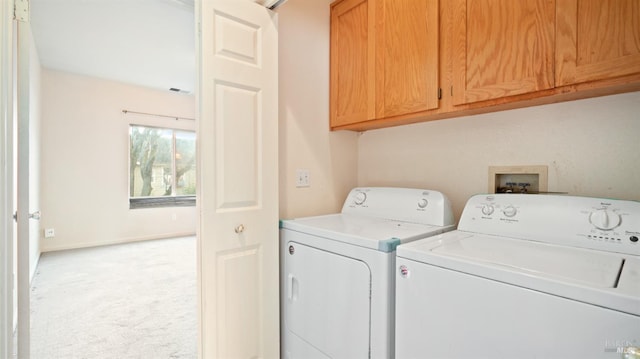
{"x":35,"y":215}
{"x":240,"y":228}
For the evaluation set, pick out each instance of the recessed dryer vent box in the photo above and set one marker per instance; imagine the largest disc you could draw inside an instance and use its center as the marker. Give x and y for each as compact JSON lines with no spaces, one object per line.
{"x":518,"y":179}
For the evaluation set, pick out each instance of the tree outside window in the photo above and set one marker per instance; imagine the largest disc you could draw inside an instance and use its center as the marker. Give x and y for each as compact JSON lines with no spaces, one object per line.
{"x":162,"y":165}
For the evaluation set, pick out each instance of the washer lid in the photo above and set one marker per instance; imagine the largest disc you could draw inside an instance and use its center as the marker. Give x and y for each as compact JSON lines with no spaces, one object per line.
{"x":375,"y":233}
{"x":592,"y":268}
{"x":605,"y":279}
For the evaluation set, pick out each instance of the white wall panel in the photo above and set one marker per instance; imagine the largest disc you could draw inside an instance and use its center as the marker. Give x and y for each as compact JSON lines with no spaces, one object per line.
{"x":590,"y":147}
{"x":305,"y":139}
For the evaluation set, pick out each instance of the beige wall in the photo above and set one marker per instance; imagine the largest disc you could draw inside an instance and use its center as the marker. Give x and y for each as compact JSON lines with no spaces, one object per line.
{"x":590,"y":147}
{"x":305,"y":140}
{"x":84,"y":192}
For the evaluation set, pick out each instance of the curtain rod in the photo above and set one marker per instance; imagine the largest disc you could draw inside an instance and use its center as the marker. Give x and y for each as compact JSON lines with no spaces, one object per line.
{"x":153,"y":114}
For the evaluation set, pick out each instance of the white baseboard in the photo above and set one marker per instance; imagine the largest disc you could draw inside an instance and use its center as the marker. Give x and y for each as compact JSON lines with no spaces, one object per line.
{"x":45,"y":249}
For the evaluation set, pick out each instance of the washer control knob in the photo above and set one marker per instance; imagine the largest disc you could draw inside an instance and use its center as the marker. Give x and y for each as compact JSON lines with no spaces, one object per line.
{"x":423,"y":203}
{"x":604,"y":219}
{"x":510,"y":211}
{"x":487,"y":209}
{"x":360,"y":197}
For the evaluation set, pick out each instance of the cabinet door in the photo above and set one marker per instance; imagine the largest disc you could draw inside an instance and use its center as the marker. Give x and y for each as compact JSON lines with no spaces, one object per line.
{"x":406,"y":56}
{"x":352,"y":62}
{"x":502,"y":48}
{"x":597,"y":39}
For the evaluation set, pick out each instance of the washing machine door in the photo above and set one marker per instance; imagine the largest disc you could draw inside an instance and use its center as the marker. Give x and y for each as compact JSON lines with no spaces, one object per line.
{"x":327,"y":304}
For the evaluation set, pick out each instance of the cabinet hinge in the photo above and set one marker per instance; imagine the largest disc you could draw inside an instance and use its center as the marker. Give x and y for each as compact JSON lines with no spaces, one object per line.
{"x":439,"y":93}
{"x":21,"y":10}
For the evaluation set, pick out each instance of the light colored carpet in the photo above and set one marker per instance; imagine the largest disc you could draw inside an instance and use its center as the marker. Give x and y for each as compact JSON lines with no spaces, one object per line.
{"x":135,"y":300}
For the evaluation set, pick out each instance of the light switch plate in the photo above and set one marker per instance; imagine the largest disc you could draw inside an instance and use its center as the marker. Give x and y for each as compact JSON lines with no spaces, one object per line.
{"x":303,"y":178}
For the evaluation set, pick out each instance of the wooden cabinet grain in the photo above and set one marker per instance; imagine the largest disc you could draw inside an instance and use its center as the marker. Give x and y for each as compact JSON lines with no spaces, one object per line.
{"x":391,"y":58}
{"x":406,"y":51}
{"x":352,"y":59}
{"x":384,"y":59}
{"x":502,"y":48}
{"x":597,"y":40}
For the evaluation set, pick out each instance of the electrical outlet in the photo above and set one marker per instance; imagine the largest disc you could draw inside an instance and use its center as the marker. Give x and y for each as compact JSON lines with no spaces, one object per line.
{"x":49,"y":233}
{"x":303,"y":178}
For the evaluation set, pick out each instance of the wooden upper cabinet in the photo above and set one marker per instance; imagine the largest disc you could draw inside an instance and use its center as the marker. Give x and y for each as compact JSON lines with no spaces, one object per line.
{"x":389,"y":58}
{"x":502,"y":48}
{"x":384,"y":59}
{"x":352,"y":92}
{"x":407,"y":36}
{"x":596,"y":40}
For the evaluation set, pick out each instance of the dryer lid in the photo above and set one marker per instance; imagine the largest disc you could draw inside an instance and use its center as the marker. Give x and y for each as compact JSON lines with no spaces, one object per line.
{"x":370,"y":232}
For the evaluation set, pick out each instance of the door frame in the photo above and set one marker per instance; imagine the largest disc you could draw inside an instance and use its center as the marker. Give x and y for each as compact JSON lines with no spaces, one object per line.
{"x":6,"y":179}
{"x":23,"y":210}
{"x":14,"y":178}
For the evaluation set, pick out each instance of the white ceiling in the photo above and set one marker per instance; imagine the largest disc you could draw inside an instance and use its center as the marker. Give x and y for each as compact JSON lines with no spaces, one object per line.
{"x":144,"y":42}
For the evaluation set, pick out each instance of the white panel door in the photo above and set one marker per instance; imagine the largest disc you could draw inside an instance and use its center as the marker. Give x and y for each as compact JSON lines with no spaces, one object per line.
{"x":238,"y":186}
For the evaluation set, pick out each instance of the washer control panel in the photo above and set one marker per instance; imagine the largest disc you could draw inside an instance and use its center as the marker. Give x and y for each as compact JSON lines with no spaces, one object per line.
{"x":400,"y":204}
{"x":597,"y":223}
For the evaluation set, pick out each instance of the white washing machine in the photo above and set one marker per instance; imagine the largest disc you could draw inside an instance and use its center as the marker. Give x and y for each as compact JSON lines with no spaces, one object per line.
{"x":524,"y":276}
{"x":337,"y":290}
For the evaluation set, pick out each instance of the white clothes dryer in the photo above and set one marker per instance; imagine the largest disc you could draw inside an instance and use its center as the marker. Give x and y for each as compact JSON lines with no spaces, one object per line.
{"x":337,"y":290}
{"x":524,"y":276}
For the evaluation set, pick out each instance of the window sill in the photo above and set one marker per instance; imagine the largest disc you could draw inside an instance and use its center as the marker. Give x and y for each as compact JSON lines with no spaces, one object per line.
{"x":159,"y":202}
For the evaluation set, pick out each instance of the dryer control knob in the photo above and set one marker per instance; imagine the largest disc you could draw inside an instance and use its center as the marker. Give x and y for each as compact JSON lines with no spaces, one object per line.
{"x":360,"y":197}
{"x":487,"y":209}
{"x":423,"y":203}
{"x":604,"y":219}
{"x":510,"y":211}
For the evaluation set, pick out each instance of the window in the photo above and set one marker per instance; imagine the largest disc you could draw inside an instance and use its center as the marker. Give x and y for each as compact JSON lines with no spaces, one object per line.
{"x":162,"y":167}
